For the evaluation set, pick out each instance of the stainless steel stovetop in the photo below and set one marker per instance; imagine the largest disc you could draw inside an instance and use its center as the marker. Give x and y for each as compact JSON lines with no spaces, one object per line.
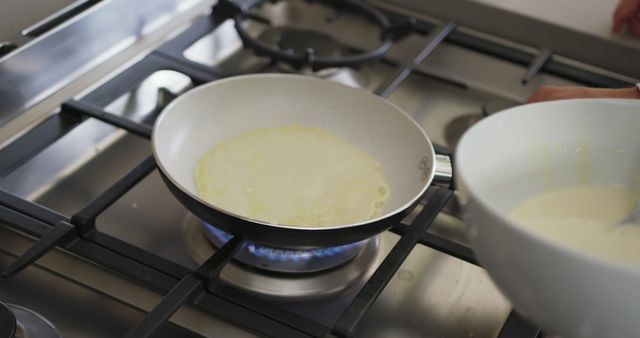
{"x":432,"y":294}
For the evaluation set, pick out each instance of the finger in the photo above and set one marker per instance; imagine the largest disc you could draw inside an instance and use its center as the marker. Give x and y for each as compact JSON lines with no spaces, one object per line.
{"x":619,"y":19}
{"x":538,"y":95}
{"x":634,"y":26}
{"x":544,"y":93}
{"x":625,"y":10}
{"x":618,"y":25}
{"x":534,"y":98}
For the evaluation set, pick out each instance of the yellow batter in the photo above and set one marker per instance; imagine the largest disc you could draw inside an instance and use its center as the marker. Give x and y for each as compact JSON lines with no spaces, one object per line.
{"x":585,"y":218}
{"x":292,"y":175}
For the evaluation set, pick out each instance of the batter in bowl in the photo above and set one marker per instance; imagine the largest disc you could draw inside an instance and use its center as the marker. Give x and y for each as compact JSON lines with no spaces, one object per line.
{"x":585,"y":218}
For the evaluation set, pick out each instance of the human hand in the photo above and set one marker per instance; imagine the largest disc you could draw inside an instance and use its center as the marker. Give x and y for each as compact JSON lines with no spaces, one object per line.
{"x":552,"y":93}
{"x":627,"y":14}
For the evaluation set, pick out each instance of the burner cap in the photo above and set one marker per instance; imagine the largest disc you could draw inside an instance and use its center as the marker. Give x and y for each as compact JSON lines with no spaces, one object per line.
{"x":7,"y":322}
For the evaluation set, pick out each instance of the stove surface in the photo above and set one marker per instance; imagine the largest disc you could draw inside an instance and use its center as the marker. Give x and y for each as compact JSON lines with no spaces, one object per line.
{"x":26,"y":15}
{"x":431,"y":295}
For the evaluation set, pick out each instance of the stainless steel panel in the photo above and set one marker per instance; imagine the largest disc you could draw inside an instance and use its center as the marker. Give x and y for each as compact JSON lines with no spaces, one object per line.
{"x":435,"y":295}
{"x":16,"y":15}
{"x":91,"y":137}
{"x":36,"y":71}
{"x":432,"y":294}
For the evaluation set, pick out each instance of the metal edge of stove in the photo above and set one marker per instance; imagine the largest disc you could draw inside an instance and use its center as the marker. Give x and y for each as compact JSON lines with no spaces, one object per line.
{"x":603,"y":77}
{"x":27,"y":35}
{"x":569,"y":43}
{"x":69,"y":52}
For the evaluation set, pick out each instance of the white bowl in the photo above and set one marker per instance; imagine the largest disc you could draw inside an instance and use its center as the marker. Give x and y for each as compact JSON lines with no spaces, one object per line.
{"x":527,"y":150}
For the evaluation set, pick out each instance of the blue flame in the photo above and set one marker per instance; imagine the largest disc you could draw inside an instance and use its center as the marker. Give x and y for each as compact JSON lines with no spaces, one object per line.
{"x":284,"y":254}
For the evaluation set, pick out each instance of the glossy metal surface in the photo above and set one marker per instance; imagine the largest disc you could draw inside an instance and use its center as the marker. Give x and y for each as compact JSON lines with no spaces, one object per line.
{"x":68,"y":51}
{"x":444,"y":171}
{"x":17,"y":15}
{"x":77,"y":146}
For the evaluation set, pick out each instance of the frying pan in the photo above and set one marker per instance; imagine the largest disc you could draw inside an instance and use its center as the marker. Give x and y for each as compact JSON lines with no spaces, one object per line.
{"x":189,"y":126}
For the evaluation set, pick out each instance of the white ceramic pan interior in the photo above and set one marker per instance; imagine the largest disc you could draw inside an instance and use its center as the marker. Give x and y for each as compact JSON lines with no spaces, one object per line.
{"x":211,"y":113}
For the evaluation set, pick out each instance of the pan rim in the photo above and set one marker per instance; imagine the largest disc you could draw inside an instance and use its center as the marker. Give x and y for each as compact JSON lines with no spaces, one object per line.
{"x":188,"y":94}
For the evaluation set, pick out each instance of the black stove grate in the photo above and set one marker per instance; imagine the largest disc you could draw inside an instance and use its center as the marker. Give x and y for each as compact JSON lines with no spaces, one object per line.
{"x":285,"y":52}
{"x":77,"y":233}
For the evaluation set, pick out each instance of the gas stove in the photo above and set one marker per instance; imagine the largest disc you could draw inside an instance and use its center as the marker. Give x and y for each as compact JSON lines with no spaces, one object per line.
{"x":93,"y":244}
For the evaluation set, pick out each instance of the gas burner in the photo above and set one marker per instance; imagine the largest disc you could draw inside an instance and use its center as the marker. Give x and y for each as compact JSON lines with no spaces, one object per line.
{"x":305,"y":47}
{"x":298,"y":40}
{"x":286,"y":285}
{"x":287,"y":260}
{"x":19,"y":322}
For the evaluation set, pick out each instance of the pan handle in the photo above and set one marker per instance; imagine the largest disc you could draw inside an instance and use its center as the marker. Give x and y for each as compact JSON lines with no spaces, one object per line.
{"x":444,"y":171}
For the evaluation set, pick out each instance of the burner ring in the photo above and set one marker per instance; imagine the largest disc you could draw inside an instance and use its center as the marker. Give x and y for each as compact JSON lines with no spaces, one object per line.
{"x":286,"y":286}
{"x":240,"y":14}
{"x":287,"y":260}
{"x":7,"y":322}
